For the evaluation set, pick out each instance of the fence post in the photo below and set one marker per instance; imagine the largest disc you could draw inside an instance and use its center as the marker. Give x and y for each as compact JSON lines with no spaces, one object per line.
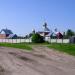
{"x":2,"y":40}
{"x":12,"y":40}
{"x":16,"y":40}
{"x":29,"y":40}
{"x":50,"y":40}
{"x":20,"y":40}
{"x":5,"y":40}
{"x":8,"y":40}
{"x":62,"y":40}
{"x":24,"y":40}
{"x":56,"y":40}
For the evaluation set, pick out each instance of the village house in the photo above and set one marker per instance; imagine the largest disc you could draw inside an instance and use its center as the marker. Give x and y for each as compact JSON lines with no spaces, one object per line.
{"x":6,"y":33}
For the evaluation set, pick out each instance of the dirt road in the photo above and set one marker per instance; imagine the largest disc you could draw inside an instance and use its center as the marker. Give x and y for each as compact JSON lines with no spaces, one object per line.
{"x":41,"y":61}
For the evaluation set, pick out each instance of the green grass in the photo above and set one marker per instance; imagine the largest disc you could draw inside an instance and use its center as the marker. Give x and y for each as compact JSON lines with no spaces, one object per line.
{"x":17,"y":45}
{"x":67,"y":48}
{"x":45,"y":43}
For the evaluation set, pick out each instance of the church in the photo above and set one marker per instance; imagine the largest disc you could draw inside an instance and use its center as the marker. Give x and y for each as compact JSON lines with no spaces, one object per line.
{"x":48,"y":33}
{"x":45,"y":32}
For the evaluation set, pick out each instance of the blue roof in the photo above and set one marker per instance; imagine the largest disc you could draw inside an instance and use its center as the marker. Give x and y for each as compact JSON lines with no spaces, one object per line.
{"x":7,"y":31}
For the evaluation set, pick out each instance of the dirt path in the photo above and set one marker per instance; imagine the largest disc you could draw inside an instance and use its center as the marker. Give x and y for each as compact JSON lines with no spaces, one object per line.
{"x":41,"y":61}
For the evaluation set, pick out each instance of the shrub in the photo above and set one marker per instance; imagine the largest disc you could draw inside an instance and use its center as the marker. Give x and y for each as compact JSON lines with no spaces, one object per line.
{"x":36,"y":38}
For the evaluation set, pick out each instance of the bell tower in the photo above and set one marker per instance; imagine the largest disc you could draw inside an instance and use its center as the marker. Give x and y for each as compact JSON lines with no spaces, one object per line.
{"x":45,"y":25}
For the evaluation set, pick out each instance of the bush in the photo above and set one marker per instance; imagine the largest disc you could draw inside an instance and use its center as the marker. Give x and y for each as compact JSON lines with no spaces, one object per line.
{"x":36,"y":38}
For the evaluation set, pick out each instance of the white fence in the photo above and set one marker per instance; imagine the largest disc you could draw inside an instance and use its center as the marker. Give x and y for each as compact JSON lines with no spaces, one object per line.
{"x":15,"y":40}
{"x":58,"y":40}
{"x":29,"y":40}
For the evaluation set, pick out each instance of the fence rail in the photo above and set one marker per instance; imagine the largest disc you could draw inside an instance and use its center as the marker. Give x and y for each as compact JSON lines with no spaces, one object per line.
{"x":29,"y":40}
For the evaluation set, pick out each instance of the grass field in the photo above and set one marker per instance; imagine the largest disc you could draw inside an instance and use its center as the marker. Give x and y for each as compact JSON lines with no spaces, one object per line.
{"x":27,"y":46}
{"x":67,"y":48}
{"x":17,"y":45}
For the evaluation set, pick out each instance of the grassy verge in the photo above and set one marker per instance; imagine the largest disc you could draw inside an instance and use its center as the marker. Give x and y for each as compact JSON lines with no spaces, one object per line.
{"x":17,"y":45}
{"x":45,"y":43}
{"x":67,"y":48}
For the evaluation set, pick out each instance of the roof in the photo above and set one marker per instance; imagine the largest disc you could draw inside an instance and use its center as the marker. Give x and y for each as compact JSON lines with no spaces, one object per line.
{"x":6,"y":31}
{"x":12,"y":36}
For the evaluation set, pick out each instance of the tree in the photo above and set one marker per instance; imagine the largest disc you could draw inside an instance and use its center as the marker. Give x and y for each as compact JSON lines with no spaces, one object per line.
{"x":30,"y":35}
{"x":36,"y":38}
{"x":70,"y":33}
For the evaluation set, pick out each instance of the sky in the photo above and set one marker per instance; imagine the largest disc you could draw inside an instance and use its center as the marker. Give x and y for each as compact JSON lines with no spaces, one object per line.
{"x":21,"y":16}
